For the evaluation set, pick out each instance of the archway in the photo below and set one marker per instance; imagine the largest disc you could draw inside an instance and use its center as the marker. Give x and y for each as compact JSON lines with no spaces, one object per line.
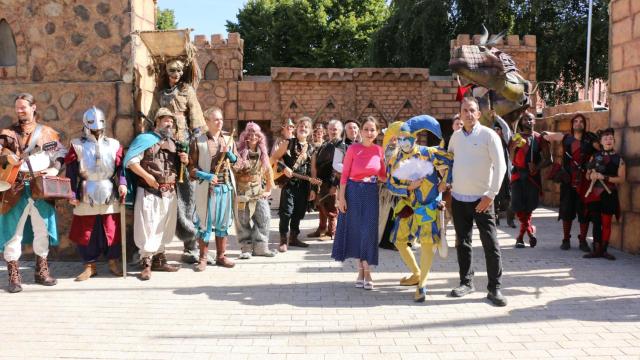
{"x":8,"y":51}
{"x":211,"y":71}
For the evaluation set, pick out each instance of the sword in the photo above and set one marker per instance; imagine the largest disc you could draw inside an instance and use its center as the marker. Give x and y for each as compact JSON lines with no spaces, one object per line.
{"x":123,"y":236}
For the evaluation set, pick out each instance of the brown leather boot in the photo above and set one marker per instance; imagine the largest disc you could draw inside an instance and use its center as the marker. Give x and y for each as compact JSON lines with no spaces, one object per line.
{"x":15,"y":280}
{"x":88,"y":272}
{"x":114,"y":268}
{"x":159,"y":263}
{"x":294,"y":241}
{"x":145,"y":274}
{"x":42,"y":275}
{"x":202,"y":261}
{"x":284,"y":243}
{"x":221,"y":249}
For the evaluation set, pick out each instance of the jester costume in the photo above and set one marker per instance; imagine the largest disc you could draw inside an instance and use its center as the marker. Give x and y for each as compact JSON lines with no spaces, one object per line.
{"x":418,"y":210}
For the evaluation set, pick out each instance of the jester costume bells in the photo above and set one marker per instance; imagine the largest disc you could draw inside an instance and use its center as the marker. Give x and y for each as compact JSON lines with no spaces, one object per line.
{"x":418,"y":210}
{"x":93,"y":164}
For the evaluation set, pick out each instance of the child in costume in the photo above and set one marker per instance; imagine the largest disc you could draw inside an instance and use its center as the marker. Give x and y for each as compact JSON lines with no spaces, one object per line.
{"x":606,"y":171}
{"x":413,"y":174}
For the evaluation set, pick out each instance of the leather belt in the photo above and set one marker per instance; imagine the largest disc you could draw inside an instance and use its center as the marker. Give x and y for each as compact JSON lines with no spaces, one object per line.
{"x":166,"y":187}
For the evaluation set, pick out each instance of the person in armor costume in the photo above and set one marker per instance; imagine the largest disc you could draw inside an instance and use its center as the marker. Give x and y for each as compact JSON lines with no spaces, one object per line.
{"x":177,"y":95}
{"x":529,"y":153}
{"x":22,"y":218}
{"x":294,"y":156}
{"x":94,"y":164}
{"x":154,"y":159}
{"x":211,"y":156}
{"x":606,"y":171}
{"x":417,"y":212}
{"x":322,"y":168}
{"x":577,"y":148}
{"x":254,"y":180}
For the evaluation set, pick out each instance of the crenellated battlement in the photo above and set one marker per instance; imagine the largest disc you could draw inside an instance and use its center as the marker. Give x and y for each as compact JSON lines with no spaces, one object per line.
{"x":218,"y":41}
{"x":528,"y":41}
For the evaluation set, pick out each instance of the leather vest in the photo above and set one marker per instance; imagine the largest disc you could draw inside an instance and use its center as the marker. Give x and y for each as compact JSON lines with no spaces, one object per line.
{"x":161,"y":162}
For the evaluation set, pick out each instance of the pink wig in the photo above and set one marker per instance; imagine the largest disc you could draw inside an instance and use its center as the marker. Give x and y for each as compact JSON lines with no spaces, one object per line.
{"x":243,"y":148}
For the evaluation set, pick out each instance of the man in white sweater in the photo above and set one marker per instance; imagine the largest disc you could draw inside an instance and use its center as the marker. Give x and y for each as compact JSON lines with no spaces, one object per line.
{"x":478,"y":170}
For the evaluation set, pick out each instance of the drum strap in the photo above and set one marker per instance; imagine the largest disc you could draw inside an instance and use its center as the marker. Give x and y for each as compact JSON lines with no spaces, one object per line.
{"x":32,"y":144}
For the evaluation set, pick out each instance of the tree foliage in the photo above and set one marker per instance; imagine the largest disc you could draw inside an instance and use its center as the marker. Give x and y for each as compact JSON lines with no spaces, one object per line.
{"x":165,"y":19}
{"x":418,"y":34}
{"x":307,"y":33}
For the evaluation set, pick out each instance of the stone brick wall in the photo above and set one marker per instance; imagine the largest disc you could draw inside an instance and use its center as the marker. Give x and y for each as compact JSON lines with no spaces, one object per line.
{"x":624,"y":85}
{"x":72,"y":55}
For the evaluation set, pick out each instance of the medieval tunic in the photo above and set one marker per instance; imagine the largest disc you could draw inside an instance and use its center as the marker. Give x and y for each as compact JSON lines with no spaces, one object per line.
{"x":154,"y":210}
{"x":252,"y":225}
{"x":28,"y":220}
{"x":601,"y":204}
{"x":526,"y":188}
{"x":94,"y":167}
{"x":214,"y":203}
{"x":324,"y":170}
{"x":182,"y":101}
{"x":576,"y":153}
{"x":294,"y":195}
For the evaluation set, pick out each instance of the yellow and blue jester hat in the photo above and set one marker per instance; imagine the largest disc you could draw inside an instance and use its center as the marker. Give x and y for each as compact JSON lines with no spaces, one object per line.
{"x":392,"y":131}
{"x":418,"y":123}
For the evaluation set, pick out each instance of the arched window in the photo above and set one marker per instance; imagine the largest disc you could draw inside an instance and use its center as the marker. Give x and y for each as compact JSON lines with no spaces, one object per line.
{"x":7,"y":45}
{"x":211,"y":71}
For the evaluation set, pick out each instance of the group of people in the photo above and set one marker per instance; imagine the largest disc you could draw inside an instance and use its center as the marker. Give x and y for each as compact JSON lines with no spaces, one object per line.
{"x":184,"y":168}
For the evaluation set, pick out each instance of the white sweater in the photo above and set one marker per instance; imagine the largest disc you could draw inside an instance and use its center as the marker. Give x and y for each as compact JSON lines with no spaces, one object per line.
{"x":478,"y":162}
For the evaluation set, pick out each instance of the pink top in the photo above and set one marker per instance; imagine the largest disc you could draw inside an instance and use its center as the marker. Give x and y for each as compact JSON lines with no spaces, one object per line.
{"x":363,"y":161}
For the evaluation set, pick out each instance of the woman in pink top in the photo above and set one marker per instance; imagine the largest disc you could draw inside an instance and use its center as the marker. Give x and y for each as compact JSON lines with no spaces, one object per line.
{"x":357,"y":231}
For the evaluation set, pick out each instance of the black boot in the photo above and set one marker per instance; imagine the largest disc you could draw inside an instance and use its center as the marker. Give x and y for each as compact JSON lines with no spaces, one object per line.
{"x":596,"y":253}
{"x":605,"y":254}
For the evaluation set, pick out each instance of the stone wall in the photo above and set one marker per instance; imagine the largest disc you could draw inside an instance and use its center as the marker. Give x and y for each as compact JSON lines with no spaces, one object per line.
{"x":72,"y":55}
{"x":624,"y":85}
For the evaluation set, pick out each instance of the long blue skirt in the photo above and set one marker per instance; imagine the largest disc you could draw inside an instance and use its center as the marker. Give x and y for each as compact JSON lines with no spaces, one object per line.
{"x":357,"y":231}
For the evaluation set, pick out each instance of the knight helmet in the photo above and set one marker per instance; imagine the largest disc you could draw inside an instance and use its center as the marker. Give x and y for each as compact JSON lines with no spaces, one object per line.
{"x":94,"y":119}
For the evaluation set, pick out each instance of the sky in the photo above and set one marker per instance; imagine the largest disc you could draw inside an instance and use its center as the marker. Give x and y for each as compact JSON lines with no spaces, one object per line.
{"x":205,"y":17}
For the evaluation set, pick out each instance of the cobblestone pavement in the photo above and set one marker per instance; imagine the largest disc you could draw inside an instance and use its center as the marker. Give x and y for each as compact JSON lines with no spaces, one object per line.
{"x":303,"y":305}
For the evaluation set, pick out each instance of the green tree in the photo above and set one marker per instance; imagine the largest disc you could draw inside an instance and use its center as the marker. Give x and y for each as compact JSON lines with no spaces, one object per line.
{"x":165,"y":19}
{"x":307,"y":33}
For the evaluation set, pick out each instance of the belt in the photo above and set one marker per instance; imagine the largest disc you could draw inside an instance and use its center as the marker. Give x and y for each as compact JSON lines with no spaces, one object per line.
{"x":368,"y":179}
{"x":166,"y":187}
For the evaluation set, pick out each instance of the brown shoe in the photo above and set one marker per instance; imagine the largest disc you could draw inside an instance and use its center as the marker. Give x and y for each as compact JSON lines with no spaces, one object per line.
{"x":15,"y":280}
{"x":145,"y":274}
{"x":294,"y":241}
{"x":159,"y":263}
{"x":88,"y":272}
{"x":284,"y":243}
{"x":316,"y":234}
{"x":114,"y":268}
{"x":221,"y":249}
{"x":42,"y":275}
{"x":202,"y":260}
